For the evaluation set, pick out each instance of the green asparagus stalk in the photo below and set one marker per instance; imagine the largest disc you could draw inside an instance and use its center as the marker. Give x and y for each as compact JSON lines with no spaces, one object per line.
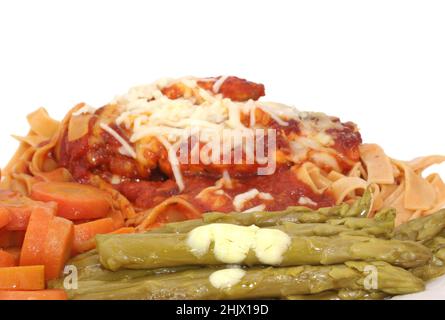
{"x":257,"y":283}
{"x":422,"y":229}
{"x":358,"y":209}
{"x":436,"y":266}
{"x":292,"y":214}
{"x":343,"y":294}
{"x":146,"y":251}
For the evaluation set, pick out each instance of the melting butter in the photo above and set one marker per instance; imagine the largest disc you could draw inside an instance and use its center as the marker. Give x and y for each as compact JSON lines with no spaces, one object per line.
{"x":226,"y":278}
{"x":232,"y":243}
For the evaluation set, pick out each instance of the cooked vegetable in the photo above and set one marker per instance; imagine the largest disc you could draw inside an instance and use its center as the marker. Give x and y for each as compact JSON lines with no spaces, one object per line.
{"x":139,"y":251}
{"x":33,"y":295}
{"x":75,"y":201}
{"x":422,"y":229}
{"x":84,"y":233}
{"x":436,"y":267}
{"x":256,"y":283}
{"x":343,"y":294}
{"x":35,"y":237}
{"x":358,"y":209}
{"x":21,"y":209}
{"x":22,"y":278}
{"x":5,"y":217}
{"x":15,"y":252}
{"x":58,"y":246}
{"x":11,"y":238}
{"x":6,"y":259}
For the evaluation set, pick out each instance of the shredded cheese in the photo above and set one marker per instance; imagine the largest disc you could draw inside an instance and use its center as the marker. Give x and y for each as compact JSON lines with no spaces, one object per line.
{"x":241,"y":199}
{"x":147,"y":113}
{"x":218,"y":83}
{"x":85,"y":109}
{"x":260,"y":207}
{"x":126,"y":149}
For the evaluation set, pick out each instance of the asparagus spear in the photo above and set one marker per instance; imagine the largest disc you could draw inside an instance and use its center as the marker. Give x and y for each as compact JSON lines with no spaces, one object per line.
{"x":422,"y":229}
{"x":436,"y":267}
{"x":142,"y":251}
{"x":292,"y":214}
{"x":343,"y":294}
{"x":255,"y":284}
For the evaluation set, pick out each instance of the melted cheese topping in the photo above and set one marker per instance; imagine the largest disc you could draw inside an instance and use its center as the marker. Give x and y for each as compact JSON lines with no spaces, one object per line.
{"x":226,"y":278}
{"x":232,"y":243}
{"x":147,"y":112}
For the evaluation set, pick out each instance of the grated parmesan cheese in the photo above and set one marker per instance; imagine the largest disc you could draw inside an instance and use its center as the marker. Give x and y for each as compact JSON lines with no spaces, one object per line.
{"x":126,"y":149}
{"x":241,"y":199}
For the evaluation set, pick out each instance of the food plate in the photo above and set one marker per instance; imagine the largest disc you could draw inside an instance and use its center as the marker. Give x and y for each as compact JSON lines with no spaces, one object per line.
{"x":202,"y":181}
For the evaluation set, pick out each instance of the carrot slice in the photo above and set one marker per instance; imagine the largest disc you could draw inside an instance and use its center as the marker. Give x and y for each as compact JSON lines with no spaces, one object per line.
{"x":6,"y":259}
{"x":75,"y":201}
{"x":15,"y":252}
{"x":19,"y":218}
{"x":11,"y":238}
{"x":84,"y":233}
{"x":34,"y":243}
{"x":53,"y":294}
{"x":20,"y":211}
{"x":22,"y":278}
{"x":59,"y":241}
{"x":5,"y":217}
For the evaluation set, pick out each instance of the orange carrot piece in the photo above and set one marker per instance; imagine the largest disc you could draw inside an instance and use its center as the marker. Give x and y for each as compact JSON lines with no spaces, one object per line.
{"x":5,"y":217}
{"x":15,"y":252}
{"x":19,"y":218}
{"x":11,"y":238}
{"x":53,"y":294}
{"x":6,"y":259}
{"x":75,"y":201}
{"x":124,"y":230}
{"x":35,"y":237}
{"x":84,"y":233}
{"x":20,"y":211}
{"x":22,"y":278}
{"x":59,"y":241}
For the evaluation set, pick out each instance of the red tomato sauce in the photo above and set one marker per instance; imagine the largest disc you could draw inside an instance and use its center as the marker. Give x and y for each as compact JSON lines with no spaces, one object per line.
{"x":284,"y":187}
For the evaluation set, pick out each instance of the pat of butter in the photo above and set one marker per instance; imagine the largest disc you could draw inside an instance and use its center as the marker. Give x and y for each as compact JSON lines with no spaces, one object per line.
{"x":232,"y":243}
{"x":226,"y":278}
{"x":270,"y":245}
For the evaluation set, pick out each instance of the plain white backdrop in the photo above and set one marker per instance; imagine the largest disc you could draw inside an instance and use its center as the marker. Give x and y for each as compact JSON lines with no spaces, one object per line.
{"x":380,"y":64}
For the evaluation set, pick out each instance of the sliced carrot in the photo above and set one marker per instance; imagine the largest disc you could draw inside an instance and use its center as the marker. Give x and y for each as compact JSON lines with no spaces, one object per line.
{"x":11,"y":238}
{"x":15,"y":252}
{"x":20,"y":211}
{"x":124,"y":230}
{"x":35,"y":237}
{"x":59,"y":241}
{"x":84,"y":233}
{"x":22,"y":278}
{"x":19,"y":218}
{"x":75,"y":201}
{"x":6,"y":259}
{"x":5,"y":217}
{"x":53,"y":294}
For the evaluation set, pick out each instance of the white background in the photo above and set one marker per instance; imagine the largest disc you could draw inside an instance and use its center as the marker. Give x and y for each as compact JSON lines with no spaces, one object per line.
{"x":380,"y":64}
